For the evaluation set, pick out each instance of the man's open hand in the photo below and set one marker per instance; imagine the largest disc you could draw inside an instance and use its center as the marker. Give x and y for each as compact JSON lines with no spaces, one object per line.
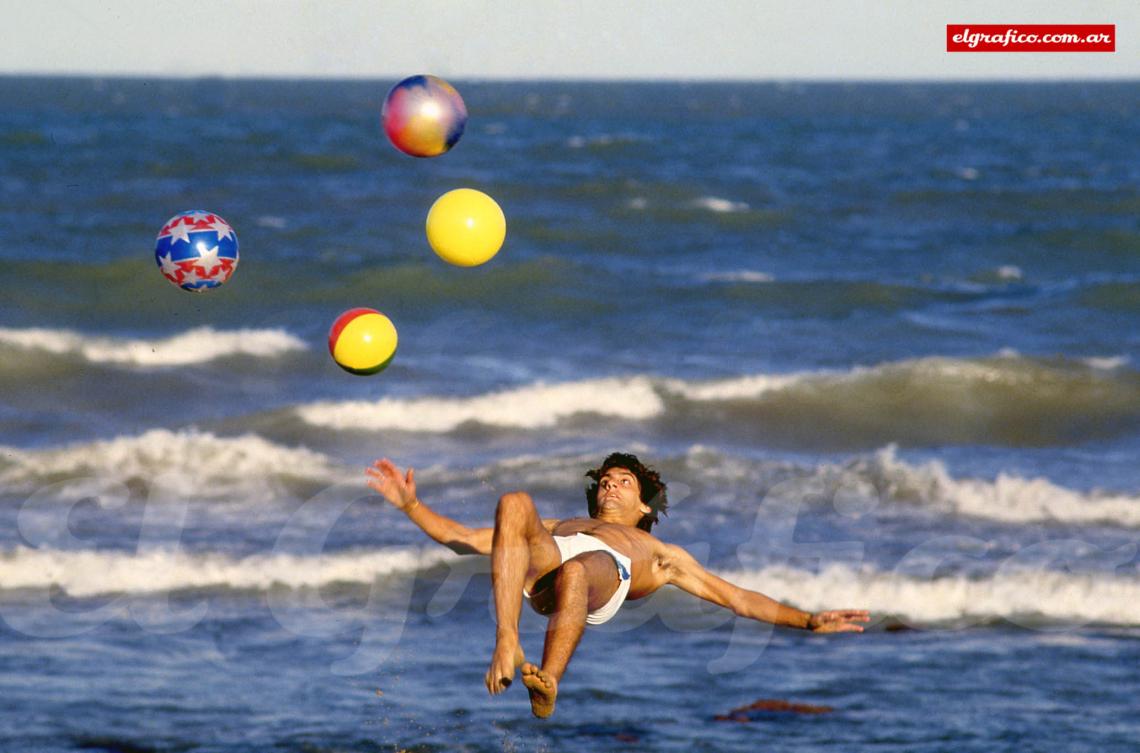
{"x":397,"y":488}
{"x":838,"y":621}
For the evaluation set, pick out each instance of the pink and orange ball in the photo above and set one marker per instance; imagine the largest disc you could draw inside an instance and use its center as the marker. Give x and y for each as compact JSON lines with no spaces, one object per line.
{"x":423,"y":116}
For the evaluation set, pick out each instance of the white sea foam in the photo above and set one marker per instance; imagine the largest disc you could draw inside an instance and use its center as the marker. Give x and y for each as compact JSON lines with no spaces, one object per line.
{"x":272,"y":221}
{"x":532,"y":407}
{"x":937,"y":385}
{"x":197,"y":464}
{"x":1025,"y":596}
{"x":740,"y":275}
{"x":197,"y":345}
{"x":602,"y":140}
{"x":881,"y":481}
{"x":1007,"y":369}
{"x":89,"y":573}
{"x":719,"y":205}
{"x":757,"y":385}
{"x":1033,"y":596}
{"x":1008,"y":498}
{"x":738,"y":387}
{"x":1106,"y":363}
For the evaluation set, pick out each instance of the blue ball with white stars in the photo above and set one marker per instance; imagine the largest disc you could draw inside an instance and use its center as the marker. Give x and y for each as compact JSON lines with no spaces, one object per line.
{"x":196,"y":250}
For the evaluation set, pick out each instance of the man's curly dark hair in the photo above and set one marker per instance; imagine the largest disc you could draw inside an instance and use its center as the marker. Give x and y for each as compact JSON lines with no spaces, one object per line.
{"x":649,"y":480}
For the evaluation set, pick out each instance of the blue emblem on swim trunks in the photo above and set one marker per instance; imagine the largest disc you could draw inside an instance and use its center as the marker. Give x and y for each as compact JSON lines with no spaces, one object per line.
{"x":621,"y":570}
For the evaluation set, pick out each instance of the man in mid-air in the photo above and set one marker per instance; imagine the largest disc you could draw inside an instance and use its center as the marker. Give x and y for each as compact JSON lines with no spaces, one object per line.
{"x":579,"y":571}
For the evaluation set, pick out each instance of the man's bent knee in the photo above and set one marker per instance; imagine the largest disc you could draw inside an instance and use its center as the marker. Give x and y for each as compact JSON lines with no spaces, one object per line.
{"x":515,"y":505}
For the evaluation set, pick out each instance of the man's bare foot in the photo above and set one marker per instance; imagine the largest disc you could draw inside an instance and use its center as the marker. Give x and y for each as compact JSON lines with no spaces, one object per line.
{"x":543,"y":690}
{"x":507,"y":658}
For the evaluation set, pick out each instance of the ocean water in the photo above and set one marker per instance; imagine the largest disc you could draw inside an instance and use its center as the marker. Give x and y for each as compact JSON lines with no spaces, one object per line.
{"x":881,"y":340}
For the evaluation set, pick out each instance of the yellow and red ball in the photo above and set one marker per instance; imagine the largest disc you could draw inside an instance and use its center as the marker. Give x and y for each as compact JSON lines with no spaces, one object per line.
{"x":363,"y":341}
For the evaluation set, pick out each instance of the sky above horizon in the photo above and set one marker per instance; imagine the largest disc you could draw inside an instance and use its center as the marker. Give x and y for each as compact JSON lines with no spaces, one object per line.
{"x":586,"y":39}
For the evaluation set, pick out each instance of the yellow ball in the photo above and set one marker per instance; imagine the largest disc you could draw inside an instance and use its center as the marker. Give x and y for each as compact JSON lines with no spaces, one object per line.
{"x":466,"y":227}
{"x":362,"y":341}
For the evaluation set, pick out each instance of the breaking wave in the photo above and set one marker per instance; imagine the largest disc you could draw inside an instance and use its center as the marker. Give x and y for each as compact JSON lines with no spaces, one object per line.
{"x":190,"y":463}
{"x":88,"y":573}
{"x":1003,"y":400}
{"x":534,"y":407}
{"x":195,"y":346}
{"x":1008,"y":498}
{"x":1032,"y":597}
{"x":1026,"y":597}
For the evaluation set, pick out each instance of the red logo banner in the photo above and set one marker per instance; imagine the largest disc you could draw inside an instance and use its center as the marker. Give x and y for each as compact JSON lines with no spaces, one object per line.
{"x":1031,"y":37}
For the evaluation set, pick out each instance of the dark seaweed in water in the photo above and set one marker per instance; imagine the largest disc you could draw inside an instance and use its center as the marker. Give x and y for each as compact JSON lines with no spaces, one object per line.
{"x":765,"y":707}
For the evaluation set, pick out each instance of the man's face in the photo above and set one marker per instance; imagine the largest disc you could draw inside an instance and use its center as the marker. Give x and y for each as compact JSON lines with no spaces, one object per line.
{"x":619,"y":497}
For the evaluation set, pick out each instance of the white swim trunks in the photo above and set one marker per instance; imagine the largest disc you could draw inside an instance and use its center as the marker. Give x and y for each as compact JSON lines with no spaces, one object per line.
{"x":580,"y":543}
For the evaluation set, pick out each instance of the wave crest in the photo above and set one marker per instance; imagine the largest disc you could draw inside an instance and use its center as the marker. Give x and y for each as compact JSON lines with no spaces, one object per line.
{"x":91,"y":573}
{"x":1004,"y":400}
{"x":1008,"y":498}
{"x":191,"y":463}
{"x":199,"y":345}
{"x":1027,"y":597}
{"x":533,"y":407}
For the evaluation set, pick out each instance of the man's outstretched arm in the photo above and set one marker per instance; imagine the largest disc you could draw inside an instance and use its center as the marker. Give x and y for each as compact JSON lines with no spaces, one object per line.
{"x":687,"y":574}
{"x":400,"y":490}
